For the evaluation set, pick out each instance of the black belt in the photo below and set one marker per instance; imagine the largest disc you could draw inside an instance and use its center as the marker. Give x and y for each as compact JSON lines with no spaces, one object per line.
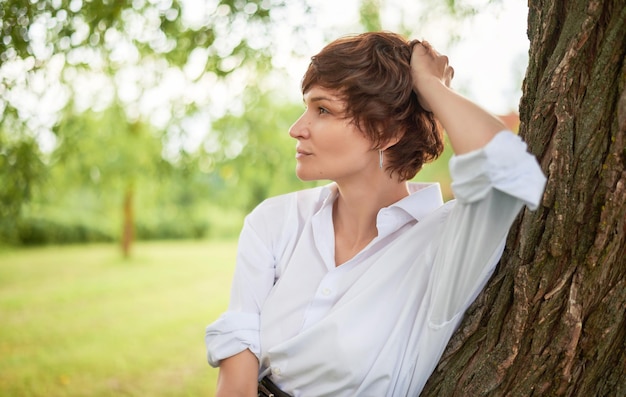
{"x":267,"y":388}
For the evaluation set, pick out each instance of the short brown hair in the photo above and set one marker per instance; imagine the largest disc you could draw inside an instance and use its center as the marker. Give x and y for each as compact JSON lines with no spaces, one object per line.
{"x":372,"y":73}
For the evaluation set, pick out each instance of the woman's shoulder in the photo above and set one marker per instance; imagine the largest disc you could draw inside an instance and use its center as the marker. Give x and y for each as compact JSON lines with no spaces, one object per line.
{"x":279,"y":219}
{"x":301,"y":203}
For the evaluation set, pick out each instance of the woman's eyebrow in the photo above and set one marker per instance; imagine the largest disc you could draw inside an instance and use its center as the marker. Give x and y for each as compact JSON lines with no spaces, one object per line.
{"x":323,"y":98}
{"x":320,"y":98}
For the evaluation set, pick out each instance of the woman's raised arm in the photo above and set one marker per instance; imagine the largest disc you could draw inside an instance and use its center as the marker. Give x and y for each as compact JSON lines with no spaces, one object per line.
{"x":468,"y":126}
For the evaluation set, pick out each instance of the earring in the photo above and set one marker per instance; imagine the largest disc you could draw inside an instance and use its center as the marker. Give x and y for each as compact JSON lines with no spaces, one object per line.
{"x":380,"y":159}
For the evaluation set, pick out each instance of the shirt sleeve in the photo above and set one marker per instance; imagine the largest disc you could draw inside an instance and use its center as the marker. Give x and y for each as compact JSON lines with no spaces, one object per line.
{"x":232,"y":333}
{"x":503,"y":164}
{"x":491,"y":186}
{"x":239,"y":327}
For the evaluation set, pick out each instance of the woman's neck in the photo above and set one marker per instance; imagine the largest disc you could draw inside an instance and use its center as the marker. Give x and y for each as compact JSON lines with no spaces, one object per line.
{"x":354,"y":215}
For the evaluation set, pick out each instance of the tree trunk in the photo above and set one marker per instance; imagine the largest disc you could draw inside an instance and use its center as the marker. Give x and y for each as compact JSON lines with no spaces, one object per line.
{"x":128,"y":221}
{"x":551,"y":322}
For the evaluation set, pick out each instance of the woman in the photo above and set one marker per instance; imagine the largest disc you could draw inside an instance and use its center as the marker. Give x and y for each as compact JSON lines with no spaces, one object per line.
{"x":354,"y":288}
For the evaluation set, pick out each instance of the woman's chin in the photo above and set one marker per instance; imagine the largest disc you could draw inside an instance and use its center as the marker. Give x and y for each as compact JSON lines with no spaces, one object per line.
{"x":307,"y":176}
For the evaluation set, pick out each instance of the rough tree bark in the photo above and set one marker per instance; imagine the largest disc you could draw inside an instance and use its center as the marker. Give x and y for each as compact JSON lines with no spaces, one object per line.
{"x":552,"y":320}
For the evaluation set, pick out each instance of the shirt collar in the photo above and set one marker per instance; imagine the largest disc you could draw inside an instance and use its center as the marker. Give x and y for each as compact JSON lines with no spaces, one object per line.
{"x":328,"y":194}
{"x":423,"y":199}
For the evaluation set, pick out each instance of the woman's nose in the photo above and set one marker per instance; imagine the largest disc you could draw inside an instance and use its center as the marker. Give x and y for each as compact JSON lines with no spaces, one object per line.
{"x":299,"y":128}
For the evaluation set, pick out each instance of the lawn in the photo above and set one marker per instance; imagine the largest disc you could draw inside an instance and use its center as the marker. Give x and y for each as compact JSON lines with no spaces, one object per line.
{"x":82,"y":321}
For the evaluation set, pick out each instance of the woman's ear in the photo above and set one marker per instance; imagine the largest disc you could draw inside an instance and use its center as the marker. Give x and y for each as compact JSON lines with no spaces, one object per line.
{"x":390,"y":142}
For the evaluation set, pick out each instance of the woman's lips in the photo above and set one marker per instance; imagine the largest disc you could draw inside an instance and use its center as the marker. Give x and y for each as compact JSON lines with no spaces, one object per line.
{"x":302,"y":153}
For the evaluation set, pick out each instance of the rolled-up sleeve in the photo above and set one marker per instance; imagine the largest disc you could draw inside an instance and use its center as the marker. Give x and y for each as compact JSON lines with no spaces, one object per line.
{"x":230,"y":334}
{"x":503,"y":164}
{"x":491,"y":186}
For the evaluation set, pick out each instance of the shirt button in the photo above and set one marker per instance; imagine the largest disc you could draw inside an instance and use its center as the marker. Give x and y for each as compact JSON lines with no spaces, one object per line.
{"x":326,"y":291}
{"x":276,"y":371}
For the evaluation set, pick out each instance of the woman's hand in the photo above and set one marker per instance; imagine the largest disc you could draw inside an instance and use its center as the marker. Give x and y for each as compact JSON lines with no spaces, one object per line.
{"x":428,"y":68}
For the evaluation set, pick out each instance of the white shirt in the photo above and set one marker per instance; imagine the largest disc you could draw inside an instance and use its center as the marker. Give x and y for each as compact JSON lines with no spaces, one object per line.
{"x":378,"y":324}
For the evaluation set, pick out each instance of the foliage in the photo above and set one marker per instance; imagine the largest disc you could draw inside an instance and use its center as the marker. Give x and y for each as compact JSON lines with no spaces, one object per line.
{"x":369,"y":13}
{"x":261,"y":160}
{"x":100,"y":155}
{"x":105,"y":149}
{"x":45,"y":27}
{"x":105,"y":60}
{"x":244,"y":159}
{"x":22,"y":169}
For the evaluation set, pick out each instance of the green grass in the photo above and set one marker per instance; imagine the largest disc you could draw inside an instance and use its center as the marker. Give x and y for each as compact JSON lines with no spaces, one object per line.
{"x":81,"y":321}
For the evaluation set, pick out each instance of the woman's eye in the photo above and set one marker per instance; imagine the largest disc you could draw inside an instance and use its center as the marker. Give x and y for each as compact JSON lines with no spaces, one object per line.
{"x":322,"y":110}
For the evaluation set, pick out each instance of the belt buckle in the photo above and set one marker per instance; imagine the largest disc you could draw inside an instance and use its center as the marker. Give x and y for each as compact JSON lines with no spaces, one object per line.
{"x":266,"y":393}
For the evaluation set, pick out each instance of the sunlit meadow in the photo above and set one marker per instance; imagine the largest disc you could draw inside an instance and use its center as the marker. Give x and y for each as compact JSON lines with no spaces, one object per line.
{"x":82,"y":321}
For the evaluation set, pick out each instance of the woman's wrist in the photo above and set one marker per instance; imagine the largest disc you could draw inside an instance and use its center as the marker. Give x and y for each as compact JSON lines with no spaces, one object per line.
{"x":431,"y":91}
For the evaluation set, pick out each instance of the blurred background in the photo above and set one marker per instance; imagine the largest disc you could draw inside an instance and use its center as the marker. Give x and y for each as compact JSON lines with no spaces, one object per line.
{"x":134,"y":137}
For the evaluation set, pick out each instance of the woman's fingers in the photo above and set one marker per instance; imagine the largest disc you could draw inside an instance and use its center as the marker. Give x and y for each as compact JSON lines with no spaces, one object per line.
{"x":428,"y":60}
{"x":428,"y":65}
{"x":449,"y":76}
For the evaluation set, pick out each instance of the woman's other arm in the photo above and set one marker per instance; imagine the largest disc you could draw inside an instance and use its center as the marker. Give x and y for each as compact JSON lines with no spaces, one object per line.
{"x":238,"y":376}
{"x":468,"y":126}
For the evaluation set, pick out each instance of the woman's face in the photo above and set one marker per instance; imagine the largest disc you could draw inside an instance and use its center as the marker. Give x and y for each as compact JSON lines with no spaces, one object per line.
{"x":329,"y":145}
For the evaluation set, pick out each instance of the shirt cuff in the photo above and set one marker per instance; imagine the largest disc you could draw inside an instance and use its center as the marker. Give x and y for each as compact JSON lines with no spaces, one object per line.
{"x":503,"y":164}
{"x":230,"y":334}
